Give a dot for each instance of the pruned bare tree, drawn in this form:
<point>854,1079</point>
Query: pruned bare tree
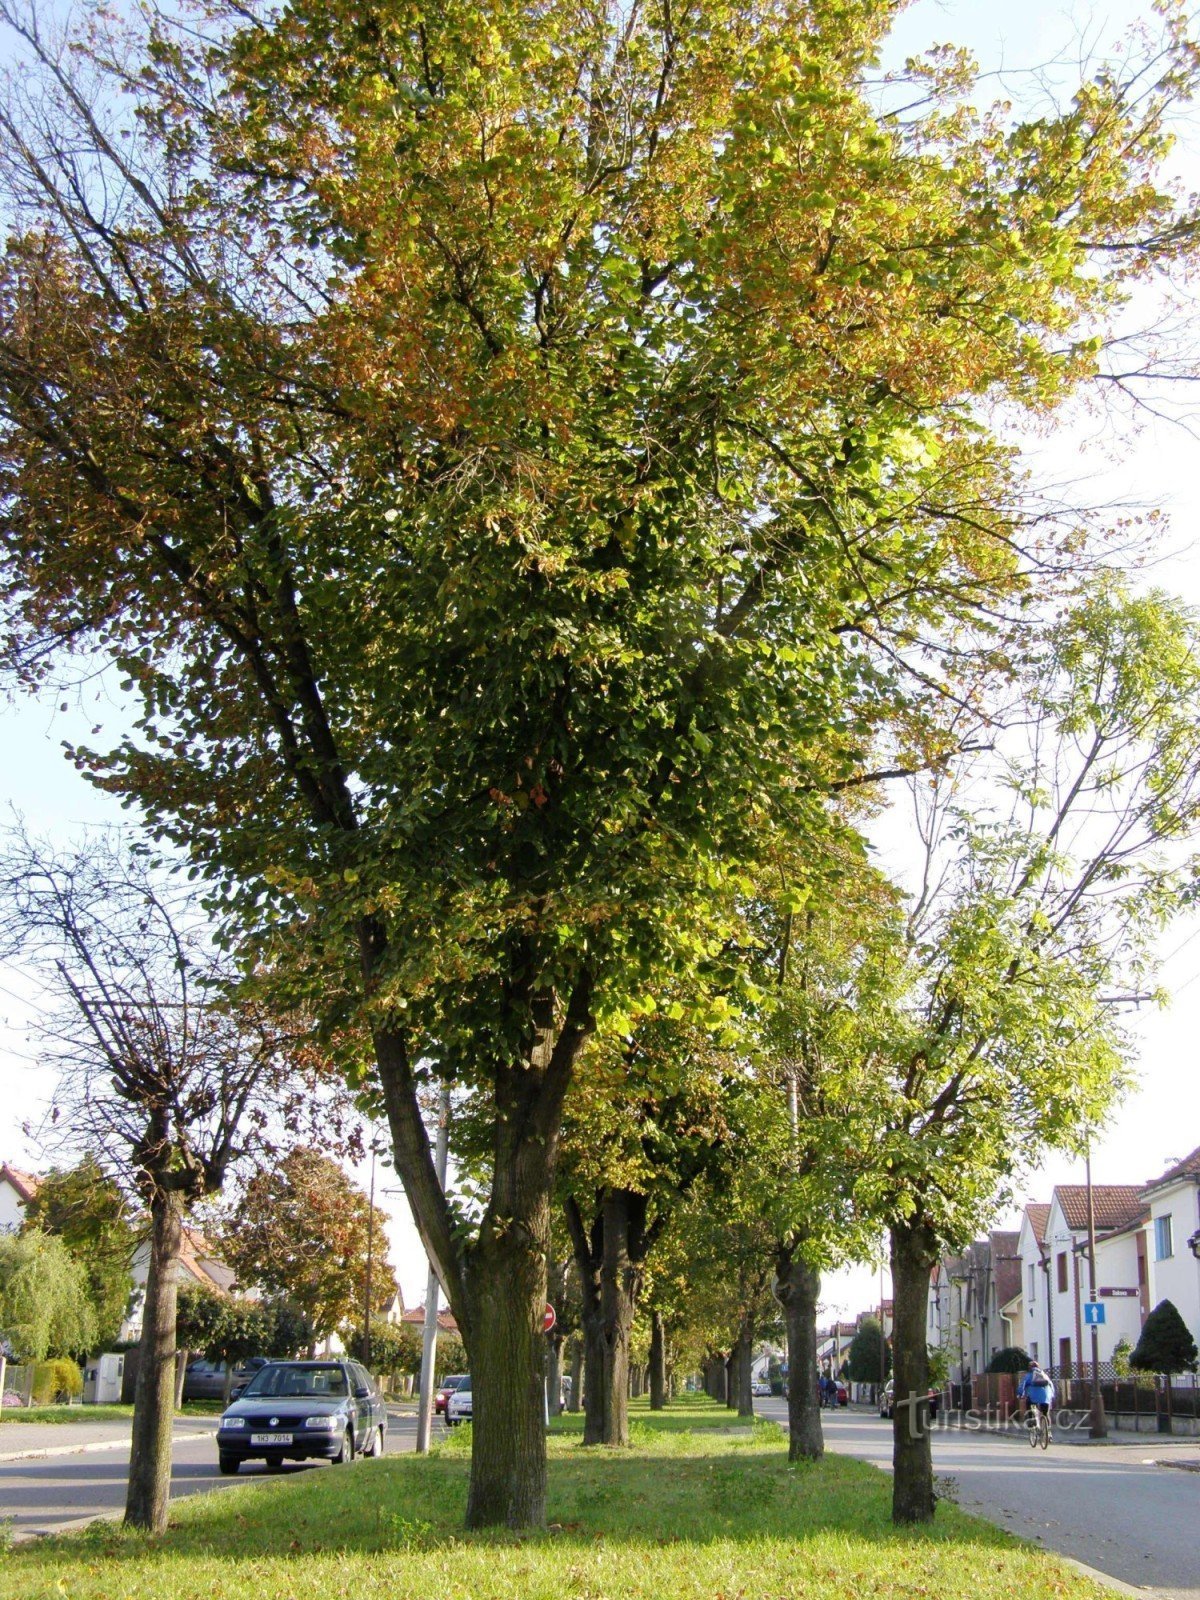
<point>164,1068</point>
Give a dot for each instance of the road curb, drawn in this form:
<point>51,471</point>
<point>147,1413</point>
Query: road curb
<point>92,1448</point>
<point>1105,1579</point>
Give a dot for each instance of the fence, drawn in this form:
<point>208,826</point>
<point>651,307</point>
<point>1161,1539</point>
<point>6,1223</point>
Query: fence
<point>1129,1401</point>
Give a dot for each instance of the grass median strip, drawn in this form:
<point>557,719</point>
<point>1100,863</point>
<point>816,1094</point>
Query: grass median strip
<point>696,1509</point>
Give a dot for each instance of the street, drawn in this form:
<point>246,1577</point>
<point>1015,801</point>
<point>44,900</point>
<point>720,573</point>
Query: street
<point>44,1495</point>
<point>1110,1506</point>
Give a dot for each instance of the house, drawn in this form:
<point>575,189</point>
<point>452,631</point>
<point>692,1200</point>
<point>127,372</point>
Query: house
<point>1173,1240</point>
<point>17,1189</point>
<point>445,1319</point>
<point>1052,1245</point>
<point>198,1264</point>
<point>969,1297</point>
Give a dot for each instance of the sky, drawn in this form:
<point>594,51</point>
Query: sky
<point>1154,464</point>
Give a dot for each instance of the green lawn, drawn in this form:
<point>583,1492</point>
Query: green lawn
<point>699,1513</point>
<point>193,1408</point>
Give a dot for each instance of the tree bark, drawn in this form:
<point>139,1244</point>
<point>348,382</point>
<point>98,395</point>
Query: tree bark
<point>553,1376</point>
<point>505,1293</point>
<point>914,1253</point>
<point>148,1494</point>
<point>181,1361</point>
<point>576,1374</point>
<point>798,1287</point>
<point>731,1398</point>
<point>658,1362</point>
<point>610,1260</point>
<point>744,1365</point>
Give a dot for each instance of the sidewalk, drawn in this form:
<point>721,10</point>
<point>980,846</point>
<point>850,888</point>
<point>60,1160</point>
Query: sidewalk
<point>25,1441</point>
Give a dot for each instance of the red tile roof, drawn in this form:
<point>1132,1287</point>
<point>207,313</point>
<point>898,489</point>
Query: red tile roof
<point>1038,1213</point>
<point>24,1183</point>
<point>1114,1205</point>
<point>446,1322</point>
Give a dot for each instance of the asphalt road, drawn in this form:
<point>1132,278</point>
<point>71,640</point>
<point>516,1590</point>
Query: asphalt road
<point>1111,1506</point>
<point>49,1494</point>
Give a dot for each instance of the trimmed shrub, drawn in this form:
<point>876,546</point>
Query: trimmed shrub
<point>55,1382</point>
<point>1011,1359</point>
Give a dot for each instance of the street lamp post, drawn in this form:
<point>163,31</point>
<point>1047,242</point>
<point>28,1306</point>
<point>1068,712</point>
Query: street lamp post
<point>429,1341</point>
<point>1097,1425</point>
<point>960,1284</point>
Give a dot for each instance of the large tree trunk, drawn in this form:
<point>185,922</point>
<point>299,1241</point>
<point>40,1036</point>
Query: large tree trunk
<point>658,1362</point>
<point>798,1286</point>
<point>914,1254</point>
<point>731,1386</point>
<point>149,1489</point>
<point>506,1298</point>
<point>497,1286</point>
<point>744,1363</point>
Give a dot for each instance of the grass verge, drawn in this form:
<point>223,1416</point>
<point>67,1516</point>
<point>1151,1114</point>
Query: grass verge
<point>688,1513</point>
<point>19,1414</point>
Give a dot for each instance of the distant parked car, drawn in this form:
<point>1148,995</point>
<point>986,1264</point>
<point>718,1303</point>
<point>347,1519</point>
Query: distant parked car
<point>760,1388</point>
<point>301,1411</point>
<point>887,1401</point>
<point>204,1380</point>
<point>458,1407</point>
<point>449,1385</point>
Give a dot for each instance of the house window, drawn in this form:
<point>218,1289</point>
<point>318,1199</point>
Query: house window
<point>1164,1244</point>
<point>1032,1284</point>
<point>1061,1267</point>
<point>1033,1349</point>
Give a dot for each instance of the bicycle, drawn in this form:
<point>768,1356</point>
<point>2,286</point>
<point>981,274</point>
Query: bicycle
<point>1038,1423</point>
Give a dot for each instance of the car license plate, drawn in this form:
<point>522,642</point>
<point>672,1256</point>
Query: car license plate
<point>270,1438</point>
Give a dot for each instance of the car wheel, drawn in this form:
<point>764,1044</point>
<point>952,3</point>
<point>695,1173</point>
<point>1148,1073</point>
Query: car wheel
<point>228,1464</point>
<point>376,1449</point>
<point>346,1453</point>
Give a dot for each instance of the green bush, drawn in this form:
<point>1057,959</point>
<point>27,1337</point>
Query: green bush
<point>55,1382</point>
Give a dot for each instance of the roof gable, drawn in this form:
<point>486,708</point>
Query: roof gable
<point>1114,1205</point>
<point>25,1183</point>
<point>1182,1172</point>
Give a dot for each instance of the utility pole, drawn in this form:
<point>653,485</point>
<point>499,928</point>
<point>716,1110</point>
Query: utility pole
<point>1097,1424</point>
<point>432,1288</point>
<point>366,1342</point>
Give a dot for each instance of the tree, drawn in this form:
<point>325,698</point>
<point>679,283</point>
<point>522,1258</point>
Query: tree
<point>160,1073</point>
<point>45,1308</point>
<point>1046,877</point>
<point>1165,1345</point>
<point>650,1118</point>
<point>87,1210</point>
<point>1011,1359</point>
<point>514,457</point>
<point>300,1231</point>
<point>869,1359</point>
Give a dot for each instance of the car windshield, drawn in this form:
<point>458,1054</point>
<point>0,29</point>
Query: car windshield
<point>311,1382</point>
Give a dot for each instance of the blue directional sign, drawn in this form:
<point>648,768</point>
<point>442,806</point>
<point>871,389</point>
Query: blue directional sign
<point>1093,1313</point>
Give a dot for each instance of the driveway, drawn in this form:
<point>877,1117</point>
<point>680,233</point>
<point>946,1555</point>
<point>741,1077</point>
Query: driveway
<point>50,1493</point>
<point>1111,1506</point>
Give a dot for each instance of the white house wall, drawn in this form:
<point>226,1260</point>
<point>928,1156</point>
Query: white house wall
<point>1178,1278</point>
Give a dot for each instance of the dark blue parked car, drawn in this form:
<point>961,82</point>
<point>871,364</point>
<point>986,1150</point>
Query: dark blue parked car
<point>302,1411</point>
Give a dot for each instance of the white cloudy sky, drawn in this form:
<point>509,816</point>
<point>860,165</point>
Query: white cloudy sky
<point>1154,466</point>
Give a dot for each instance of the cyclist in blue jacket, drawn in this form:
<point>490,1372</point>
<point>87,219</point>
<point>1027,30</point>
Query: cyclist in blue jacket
<point>1036,1388</point>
